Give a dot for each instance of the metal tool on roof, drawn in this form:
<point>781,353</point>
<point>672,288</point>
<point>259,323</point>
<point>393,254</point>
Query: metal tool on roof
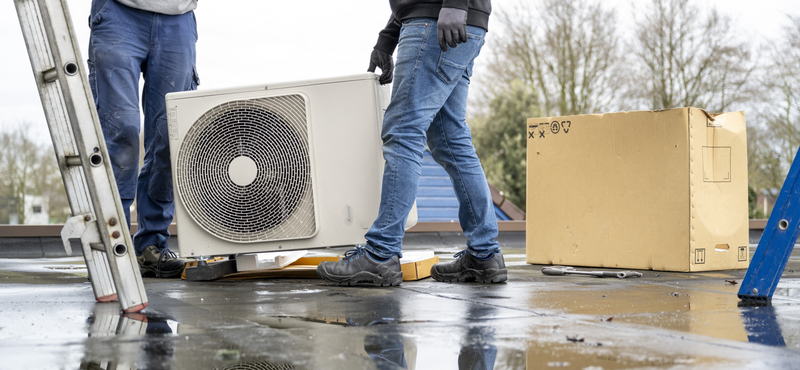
<point>564,270</point>
<point>98,219</point>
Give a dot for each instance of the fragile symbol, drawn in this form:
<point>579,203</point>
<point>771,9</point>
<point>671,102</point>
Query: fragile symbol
<point>554,127</point>
<point>541,133</point>
<point>530,135</point>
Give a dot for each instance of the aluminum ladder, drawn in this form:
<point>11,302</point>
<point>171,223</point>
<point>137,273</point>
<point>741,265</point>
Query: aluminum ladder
<point>776,244</point>
<point>98,220</point>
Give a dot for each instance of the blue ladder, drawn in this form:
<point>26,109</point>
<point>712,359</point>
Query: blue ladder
<point>776,242</point>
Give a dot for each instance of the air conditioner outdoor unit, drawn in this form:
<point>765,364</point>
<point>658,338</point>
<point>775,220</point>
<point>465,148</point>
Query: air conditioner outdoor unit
<point>278,167</point>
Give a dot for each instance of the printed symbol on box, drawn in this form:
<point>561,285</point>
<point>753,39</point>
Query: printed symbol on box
<point>530,135</point>
<point>743,253</point>
<point>554,127</point>
<point>541,133</point>
<point>717,164</point>
<point>699,256</point>
<point>566,125</point>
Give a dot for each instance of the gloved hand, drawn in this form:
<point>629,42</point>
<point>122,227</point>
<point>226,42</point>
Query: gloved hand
<point>452,28</point>
<point>383,60</point>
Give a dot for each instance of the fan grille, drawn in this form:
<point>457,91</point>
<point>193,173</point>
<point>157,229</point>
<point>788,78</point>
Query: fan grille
<point>276,201</point>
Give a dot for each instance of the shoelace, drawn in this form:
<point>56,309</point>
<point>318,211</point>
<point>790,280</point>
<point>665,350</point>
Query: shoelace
<point>460,254</point>
<point>165,255</point>
<point>357,251</point>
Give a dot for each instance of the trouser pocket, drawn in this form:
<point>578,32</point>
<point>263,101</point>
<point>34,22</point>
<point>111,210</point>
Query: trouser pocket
<point>455,61</point>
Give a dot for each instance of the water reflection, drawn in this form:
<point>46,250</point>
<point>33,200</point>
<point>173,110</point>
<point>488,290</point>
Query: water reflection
<point>389,349</point>
<point>123,331</point>
<point>761,323</point>
<point>388,352</point>
<point>478,351</point>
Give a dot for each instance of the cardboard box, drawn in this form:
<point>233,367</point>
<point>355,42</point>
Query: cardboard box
<point>662,190</point>
<point>417,265</point>
<point>267,261</point>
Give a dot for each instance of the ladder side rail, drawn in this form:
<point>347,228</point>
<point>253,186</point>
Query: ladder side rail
<point>54,109</point>
<point>64,145</point>
<point>777,241</point>
<point>88,134</point>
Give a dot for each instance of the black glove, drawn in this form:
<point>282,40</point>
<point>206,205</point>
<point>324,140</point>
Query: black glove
<point>452,27</point>
<point>383,60</point>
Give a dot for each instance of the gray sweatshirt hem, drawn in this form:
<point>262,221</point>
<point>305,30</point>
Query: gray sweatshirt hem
<point>171,7</point>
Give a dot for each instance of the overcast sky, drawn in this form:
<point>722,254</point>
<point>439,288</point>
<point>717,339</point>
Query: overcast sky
<point>266,41</point>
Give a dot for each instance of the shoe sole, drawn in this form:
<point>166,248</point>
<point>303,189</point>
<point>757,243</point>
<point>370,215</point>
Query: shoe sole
<point>362,278</point>
<point>472,276</point>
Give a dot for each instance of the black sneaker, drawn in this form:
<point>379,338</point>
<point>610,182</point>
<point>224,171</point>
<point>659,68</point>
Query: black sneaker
<point>352,270</point>
<point>468,268</point>
<point>160,263</point>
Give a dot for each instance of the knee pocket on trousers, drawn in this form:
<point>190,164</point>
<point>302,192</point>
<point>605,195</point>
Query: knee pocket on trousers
<point>161,188</point>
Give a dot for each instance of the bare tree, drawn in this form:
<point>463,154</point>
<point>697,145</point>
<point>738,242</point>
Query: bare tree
<point>783,83</point>
<point>567,51</point>
<point>690,59</point>
<point>774,138</point>
<point>28,168</point>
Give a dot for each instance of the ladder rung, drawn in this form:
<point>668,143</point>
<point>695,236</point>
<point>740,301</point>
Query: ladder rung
<point>73,160</point>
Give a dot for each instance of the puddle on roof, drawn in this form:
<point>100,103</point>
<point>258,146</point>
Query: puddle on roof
<point>698,310</point>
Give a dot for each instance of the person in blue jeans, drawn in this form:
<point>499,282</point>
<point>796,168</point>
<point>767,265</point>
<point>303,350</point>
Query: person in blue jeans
<point>155,39</point>
<point>437,43</point>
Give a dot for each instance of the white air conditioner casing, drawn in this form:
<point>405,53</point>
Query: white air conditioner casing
<point>283,166</point>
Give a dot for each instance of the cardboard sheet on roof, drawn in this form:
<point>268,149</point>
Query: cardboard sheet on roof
<point>416,265</point>
<point>663,190</point>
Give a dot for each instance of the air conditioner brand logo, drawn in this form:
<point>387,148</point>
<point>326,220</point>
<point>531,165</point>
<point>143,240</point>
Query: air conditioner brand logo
<point>172,123</point>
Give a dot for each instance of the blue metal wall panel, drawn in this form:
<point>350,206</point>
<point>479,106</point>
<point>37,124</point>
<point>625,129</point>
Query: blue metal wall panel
<point>436,200</point>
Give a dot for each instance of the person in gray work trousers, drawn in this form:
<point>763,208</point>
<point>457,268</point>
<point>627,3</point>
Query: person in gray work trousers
<point>155,39</point>
<point>437,43</point>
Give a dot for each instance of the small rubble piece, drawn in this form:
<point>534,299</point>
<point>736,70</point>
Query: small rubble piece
<point>558,364</point>
<point>609,319</point>
<point>732,282</point>
<point>574,339</point>
<point>657,275</point>
<point>675,294</point>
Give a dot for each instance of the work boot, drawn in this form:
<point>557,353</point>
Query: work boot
<point>160,263</point>
<point>354,270</point>
<point>468,268</point>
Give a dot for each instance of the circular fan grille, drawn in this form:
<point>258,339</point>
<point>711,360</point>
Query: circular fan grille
<point>273,201</point>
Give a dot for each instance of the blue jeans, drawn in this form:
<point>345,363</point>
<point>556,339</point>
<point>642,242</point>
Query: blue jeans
<point>429,103</point>
<point>124,43</point>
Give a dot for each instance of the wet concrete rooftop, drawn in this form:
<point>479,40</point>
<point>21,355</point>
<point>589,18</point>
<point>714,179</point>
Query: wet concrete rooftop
<point>660,321</point>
